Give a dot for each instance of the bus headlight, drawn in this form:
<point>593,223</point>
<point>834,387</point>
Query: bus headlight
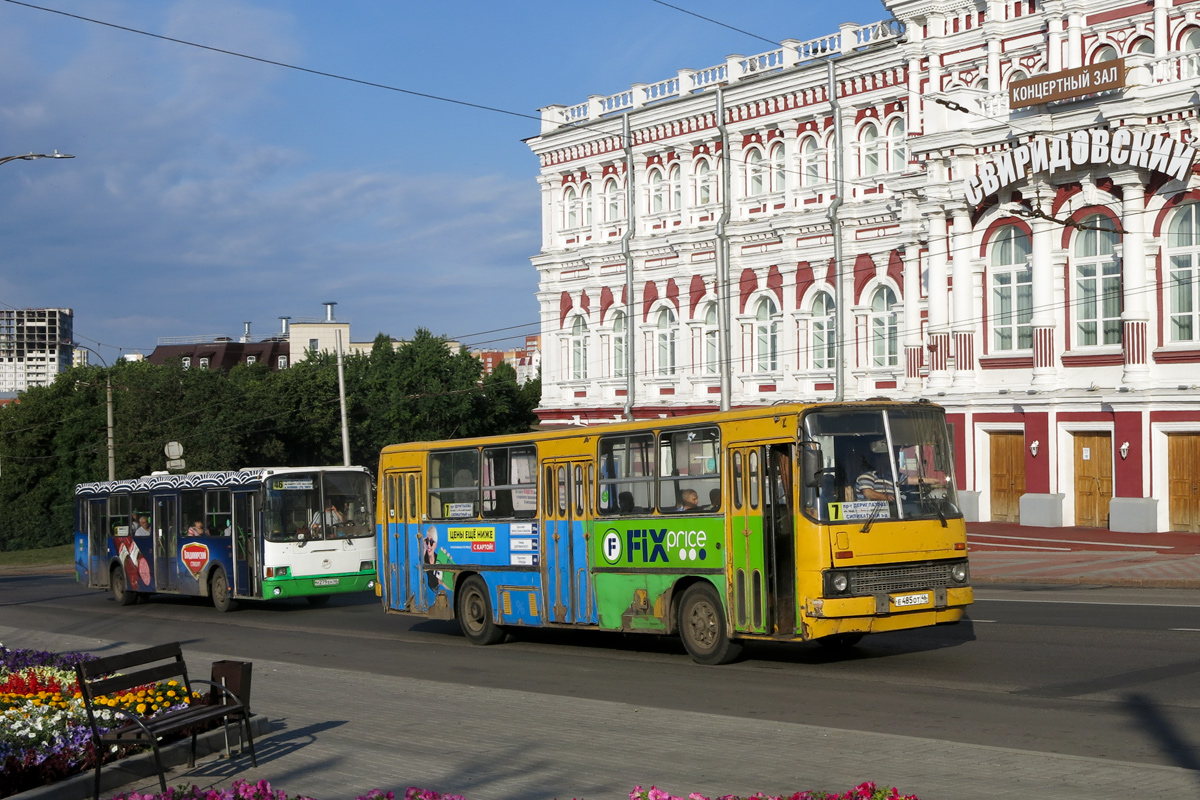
<point>366,566</point>
<point>836,583</point>
<point>958,573</point>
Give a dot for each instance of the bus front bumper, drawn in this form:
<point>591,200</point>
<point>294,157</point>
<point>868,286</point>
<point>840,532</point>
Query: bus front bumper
<point>884,612</point>
<point>307,585</point>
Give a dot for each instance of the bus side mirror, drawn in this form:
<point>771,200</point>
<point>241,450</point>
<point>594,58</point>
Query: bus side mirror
<point>811,463</point>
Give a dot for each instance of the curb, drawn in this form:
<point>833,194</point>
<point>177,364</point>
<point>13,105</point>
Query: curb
<point>1086,580</point>
<point>141,766</point>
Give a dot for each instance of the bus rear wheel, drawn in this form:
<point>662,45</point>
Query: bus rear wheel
<point>120,588</point>
<point>473,610</point>
<point>218,590</point>
<point>702,626</point>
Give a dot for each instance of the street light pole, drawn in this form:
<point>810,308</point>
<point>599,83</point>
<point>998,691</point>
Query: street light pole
<point>112,470</point>
<point>32,156</point>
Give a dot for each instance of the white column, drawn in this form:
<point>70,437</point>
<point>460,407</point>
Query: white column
<point>1134,316</point>
<point>910,253</point>
<point>964,310</point>
<point>1054,37</point>
<point>1044,316</point>
<point>939,298</point>
<point>1161,28</point>
<point>1075,20</point>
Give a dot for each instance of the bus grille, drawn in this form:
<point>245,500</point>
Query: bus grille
<point>903,578</point>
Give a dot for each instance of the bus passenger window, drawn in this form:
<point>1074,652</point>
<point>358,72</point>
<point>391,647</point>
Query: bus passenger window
<point>626,474</point>
<point>689,479</point>
<point>508,482</point>
<point>454,484</point>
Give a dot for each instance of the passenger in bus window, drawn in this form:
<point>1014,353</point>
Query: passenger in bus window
<point>197,529</point>
<point>871,485</point>
<point>714,500</point>
<point>331,516</point>
<point>688,500</point>
<point>143,528</point>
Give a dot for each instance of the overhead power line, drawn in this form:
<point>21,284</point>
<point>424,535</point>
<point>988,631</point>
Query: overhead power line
<point>272,62</point>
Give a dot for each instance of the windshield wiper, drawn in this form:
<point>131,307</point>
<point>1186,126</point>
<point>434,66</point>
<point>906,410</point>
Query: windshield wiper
<point>866,528</point>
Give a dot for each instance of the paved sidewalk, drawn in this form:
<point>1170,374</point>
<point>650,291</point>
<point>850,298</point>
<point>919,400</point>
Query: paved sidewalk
<point>1004,553</point>
<point>339,733</point>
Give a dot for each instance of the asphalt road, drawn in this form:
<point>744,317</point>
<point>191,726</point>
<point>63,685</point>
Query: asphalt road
<point>1106,673</point>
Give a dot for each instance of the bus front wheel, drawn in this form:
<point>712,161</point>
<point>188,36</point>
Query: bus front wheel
<point>120,588</point>
<point>473,610</point>
<point>218,590</point>
<point>702,626</point>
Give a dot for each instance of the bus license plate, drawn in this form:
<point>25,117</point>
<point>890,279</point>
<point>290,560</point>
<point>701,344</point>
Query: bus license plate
<point>326,581</point>
<point>911,599</point>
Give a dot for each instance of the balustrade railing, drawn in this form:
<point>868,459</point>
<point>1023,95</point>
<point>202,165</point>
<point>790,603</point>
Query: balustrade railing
<point>791,53</point>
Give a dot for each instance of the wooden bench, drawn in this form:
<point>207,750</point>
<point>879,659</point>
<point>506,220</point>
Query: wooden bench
<point>99,678</point>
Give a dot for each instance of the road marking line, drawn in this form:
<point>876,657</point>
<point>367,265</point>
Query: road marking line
<point>1193,630</point>
<point>1066,541</point>
<point>1082,603</point>
<point>1023,546</point>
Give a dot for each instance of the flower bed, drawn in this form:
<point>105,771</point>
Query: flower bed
<point>44,733</point>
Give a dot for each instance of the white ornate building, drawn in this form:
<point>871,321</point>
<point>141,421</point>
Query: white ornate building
<point>1032,266</point>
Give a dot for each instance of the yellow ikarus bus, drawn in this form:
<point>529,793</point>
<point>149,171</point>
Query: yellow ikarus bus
<point>796,522</point>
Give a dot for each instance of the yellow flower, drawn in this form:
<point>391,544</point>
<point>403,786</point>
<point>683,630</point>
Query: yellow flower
<point>141,708</point>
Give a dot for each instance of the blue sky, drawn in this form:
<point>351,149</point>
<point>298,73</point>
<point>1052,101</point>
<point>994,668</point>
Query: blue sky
<point>207,190</point>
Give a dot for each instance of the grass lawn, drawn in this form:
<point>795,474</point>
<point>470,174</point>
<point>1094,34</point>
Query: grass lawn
<point>63,554</point>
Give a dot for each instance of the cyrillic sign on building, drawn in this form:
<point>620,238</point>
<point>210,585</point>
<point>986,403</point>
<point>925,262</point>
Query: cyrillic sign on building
<point>1095,147</point>
<point>1067,84</point>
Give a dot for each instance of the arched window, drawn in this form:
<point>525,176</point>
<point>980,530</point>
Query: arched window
<point>898,145</point>
<point>1017,75</point>
<point>1012,290</point>
<point>1183,255</point>
<point>812,162</point>
<point>586,203</point>
<point>571,208</point>
<point>778,169</point>
<point>579,349</point>
<point>1105,53</point>
<point>613,211</point>
<point>766,336</point>
<point>870,149</point>
<point>705,183</point>
<point>823,332</point>
<point>1097,283</point>
<point>619,339</point>
<point>711,333</point>
<point>1191,50</point>
<point>658,195</point>
<point>664,335</point>
<point>1143,45</point>
<point>754,173</point>
<point>675,190</point>
<point>885,329</point>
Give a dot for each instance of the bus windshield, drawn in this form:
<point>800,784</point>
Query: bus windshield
<point>877,464</point>
<point>303,506</point>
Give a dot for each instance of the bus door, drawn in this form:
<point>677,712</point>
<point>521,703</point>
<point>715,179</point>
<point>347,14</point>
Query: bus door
<point>166,511</point>
<point>409,547</point>
<point>748,540</point>
<point>566,574</point>
<point>97,542</point>
<point>247,549</point>
<point>401,539</point>
<point>779,531</point>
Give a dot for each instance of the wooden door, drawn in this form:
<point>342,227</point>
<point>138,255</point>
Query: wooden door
<point>1093,479</point>
<point>1183,479</point>
<point>1007,454</point>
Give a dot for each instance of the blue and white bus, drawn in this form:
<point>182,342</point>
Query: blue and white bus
<point>258,533</point>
